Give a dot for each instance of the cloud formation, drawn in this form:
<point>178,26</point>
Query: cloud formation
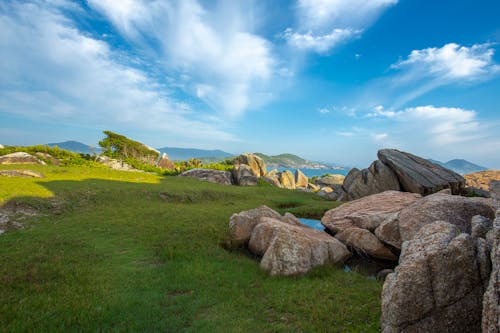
<point>324,24</point>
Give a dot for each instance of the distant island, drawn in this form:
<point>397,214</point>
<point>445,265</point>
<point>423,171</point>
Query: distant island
<point>294,162</point>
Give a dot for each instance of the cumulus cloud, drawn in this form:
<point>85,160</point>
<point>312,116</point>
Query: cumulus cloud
<point>52,70</point>
<point>324,24</point>
<point>223,62</point>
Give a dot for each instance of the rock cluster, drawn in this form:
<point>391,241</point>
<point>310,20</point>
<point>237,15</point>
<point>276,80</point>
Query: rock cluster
<point>491,299</point>
<point>20,158</point>
<point>285,245</point>
<point>114,163</point>
<point>209,175</point>
<point>400,171</point>
<point>482,180</point>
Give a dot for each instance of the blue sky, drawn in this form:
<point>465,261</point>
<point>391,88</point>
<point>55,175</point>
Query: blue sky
<point>330,80</point>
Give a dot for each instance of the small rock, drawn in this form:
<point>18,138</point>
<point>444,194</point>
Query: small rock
<point>209,175</point>
<point>20,158</point>
<point>21,173</point>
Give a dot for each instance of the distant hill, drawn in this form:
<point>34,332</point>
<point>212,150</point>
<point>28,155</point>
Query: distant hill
<point>76,147</point>
<point>460,166</point>
<point>290,161</point>
<point>181,154</point>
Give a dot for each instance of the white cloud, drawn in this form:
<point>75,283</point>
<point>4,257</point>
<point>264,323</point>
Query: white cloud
<point>52,70</point>
<point>324,111</point>
<point>452,62</point>
<point>324,24</point>
<point>229,67</point>
<point>380,136</point>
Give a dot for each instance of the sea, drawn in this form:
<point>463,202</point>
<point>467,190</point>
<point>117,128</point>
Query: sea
<point>318,172</point>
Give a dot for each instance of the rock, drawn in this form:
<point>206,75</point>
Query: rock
<point>242,224</point>
<point>482,180</point>
<point>381,275</point>
<point>491,299</point>
<point>441,207</point>
<point>165,163</point>
<point>49,158</point>
<point>209,175</point>
<point>469,191</point>
<point>287,180</point>
<point>418,175</point>
<point>244,175</point>
<point>255,163</point>
<point>313,187</point>
<point>301,180</point>
<point>21,173</point>
<point>368,212</point>
<point>480,226</point>
<point>438,285</point>
<point>291,250</point>
<point>272,177</point>
<point>365,243</point>
<point>330,180</point>
<point>495,192</point>
<point>20,158</point>
<point>327,189</point>
<point>388,231</point>
<point>114,163</point>
<point>377,178</point>
<point>328,195</point>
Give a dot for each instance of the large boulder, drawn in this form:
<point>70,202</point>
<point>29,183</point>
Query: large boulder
<point>495,192</point>
<point>21,173</point>
<point>301,180</point>
<point>165,162</point>
<point>491,298</point>
<point>330,180</point>
<point>244,175</point>
<point>365,243</point>
<point>291,250</point>
<point>418,175</point>
<point>287,180</point>
<point>209,175</point>
<point>20,158</point>
<point>114,163</point>
<point>456,210</point>
<point>439,283</point>
<point>255,163</point>
<point>368,212</point>
<point>377,178</point>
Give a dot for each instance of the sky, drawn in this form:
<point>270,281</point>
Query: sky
<point>329,80</point>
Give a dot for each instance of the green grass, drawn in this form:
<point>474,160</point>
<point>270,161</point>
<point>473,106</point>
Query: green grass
<point>115,256</point>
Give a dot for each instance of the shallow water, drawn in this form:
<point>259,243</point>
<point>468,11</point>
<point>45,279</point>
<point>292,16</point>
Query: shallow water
<point>316,224</point>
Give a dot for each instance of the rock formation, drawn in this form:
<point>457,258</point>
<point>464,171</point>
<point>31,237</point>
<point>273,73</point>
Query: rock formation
<point>482,179</point>
<point>330,180</point>
<point>439,283</point>
<point>491,299</point>
<point>20,158</point>
<point>244,175</point>
<point>21,173</point>
<point>114,163</point>
<point>165,163</point>
<point>255,163</point>
<point>209,175</point>
<point>300,179</point>
<point>287,180</point>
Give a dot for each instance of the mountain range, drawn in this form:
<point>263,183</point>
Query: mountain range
<point>460,166</point>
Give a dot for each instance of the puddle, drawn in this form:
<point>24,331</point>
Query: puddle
<point>316,224</point>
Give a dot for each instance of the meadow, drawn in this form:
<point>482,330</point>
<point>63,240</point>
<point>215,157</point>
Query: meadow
<point>116,251</point>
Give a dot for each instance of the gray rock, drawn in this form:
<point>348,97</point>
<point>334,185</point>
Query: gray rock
<point>438,285</point>
<point>209,175</point>
<point>418,175</point>
<point>495,192</point>
<point>114,163</point>
<point>244,176</point>
<point>365,243</point>
<point>20,158</point>
<point>491,299</point>
<point>21,173</point>
<point>480,226</point>
<point>382,275</point>
<point>442,207</point>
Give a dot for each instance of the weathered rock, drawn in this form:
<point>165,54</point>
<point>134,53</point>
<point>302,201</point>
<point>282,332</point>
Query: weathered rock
<point>327,189</point>
<point>287,180</point>
<point>21,173</point>
<point>377,178</point>
<point>482,179</point>
<point>272,177</point>
<point>388,231</point>
<point>313,187</point>
<point>438,285</point>
<point>165,162</point>
<point>242,224</point>
<point>330,180</point>
<point>381,275</point>
<point>20,158</point>
<point>469,191</point>
<point>114,163</point>
<point>491,299</point>
<point>244,175</point>
<point>480,226</point>
<point>255,163</point>
<point>441,207</point>
<point>495,192</point>
<point>365,243</point>
<point>49,158</point>
<point>418,175</point>
<point>301,180</point>
<point>209,175</point>
<point>368,212</point>
<point>290,250</point>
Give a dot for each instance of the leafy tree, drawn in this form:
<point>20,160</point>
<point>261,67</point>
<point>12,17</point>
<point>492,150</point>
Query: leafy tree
<point>119,146</point>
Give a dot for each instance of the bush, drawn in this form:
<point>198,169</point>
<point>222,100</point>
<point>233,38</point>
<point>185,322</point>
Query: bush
<point>66,157</point>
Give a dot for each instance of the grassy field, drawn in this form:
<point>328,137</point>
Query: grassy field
<point>108,254</point>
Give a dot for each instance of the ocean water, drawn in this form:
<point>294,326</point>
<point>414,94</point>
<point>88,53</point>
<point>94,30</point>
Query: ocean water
<point>318,172</point>
<point>316,224</point>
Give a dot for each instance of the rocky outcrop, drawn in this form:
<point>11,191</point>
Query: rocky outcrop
<point>365,243</point>
<point>301,180</point>
<point>418,175</point>
<point>114,163</point>
<point>439,283</point>
<point>165,162</point>
<point>482,179</point>
<point>254,162</point>
<point>241,224</point>
<point>272,177</point>
<point>330,180</point>
<point>244,175</point>
<point>287,180</point>
<point>209,175</point>
<point>377,178</point>
<point>456,210</point>
<point>20,158</point>
<point>291,250</point>
<point>491,298</point>
<point>495,192</point>
<point>21,173</point>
